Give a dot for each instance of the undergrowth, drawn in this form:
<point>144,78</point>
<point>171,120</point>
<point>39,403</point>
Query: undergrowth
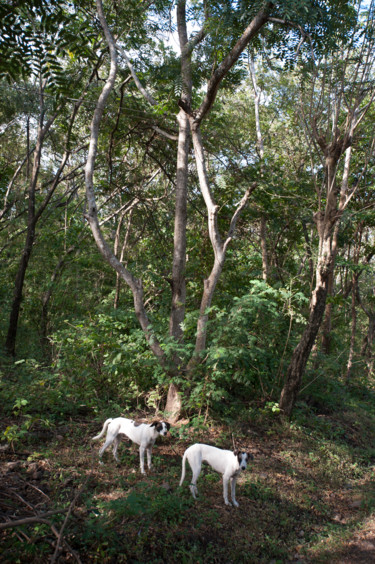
<point>309,487</point>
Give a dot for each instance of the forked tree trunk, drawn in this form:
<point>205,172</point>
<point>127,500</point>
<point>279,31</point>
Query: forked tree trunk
<point>185,119</point>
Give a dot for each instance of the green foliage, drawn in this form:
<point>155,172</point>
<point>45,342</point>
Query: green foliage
<point>35,36</point>
<point>107,356</point>
<point>239,359</point>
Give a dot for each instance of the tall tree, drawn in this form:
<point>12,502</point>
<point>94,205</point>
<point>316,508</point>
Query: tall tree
<point>191,116</point>
<point>342,90</point>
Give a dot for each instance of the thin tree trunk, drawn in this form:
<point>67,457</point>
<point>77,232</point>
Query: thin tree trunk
<point>263,245</point>
<point>123,248</point>
<point>92,213</point>
<point>48,294</point>
<point>327,222</point>
<point>370,355</point>
<point>367,350</point>
<point>10,343</point>
<point>260,146</point>
<point>302,351</point>
<point>353,330</point>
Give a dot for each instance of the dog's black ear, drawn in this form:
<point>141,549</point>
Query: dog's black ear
<point>168,425</point>
<point>154,423</point>
<point>250,456</point>
<point>236,452</point>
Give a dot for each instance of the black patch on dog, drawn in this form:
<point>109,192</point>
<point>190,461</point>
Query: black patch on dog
<point>158,426</point>
<point>137,423</point>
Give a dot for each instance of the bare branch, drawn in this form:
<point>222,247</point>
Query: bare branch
<point>138,83</point>
<point>41,518</point>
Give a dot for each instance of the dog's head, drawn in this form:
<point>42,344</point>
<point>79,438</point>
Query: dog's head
<point>243,458</point>
<point>162,427</point>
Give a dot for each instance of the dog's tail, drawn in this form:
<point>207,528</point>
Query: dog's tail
<point>102,431</point>
<point>183,468</point>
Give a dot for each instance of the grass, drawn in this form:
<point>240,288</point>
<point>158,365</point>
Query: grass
<point>309,488</point>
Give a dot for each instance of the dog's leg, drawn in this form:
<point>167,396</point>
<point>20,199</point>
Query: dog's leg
<point>107,443</point>
<point>233,482</point>
<point>111,436</point>
<point>149,454</point>
<point>183,469</point>
<point>115,447</point>
<point>142,458</point>
<point>196,469</point>
<point>225,489</point>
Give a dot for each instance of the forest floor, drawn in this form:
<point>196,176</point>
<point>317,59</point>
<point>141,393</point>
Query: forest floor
<point>307,496</point>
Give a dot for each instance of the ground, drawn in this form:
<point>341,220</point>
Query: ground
<point>301,500</point>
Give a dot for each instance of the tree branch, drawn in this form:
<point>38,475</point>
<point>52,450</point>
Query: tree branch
<point>213,85</point>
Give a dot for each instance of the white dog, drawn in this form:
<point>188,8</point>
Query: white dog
<point>142,434</point>
<point>226,462</point>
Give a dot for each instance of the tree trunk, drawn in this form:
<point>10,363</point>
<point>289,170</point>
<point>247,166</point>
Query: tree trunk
<point>327,223</point>
<point>302,351</point>
<point>370,345</point>
<point>179,248</point>
<point>367,350</point>
<point>353,331</point>
<point>179,242</point>
<point>10,343</point>
<point>178,283</point>
<point>122,253</point>
<point>92,212</point>
<point>263,245</point>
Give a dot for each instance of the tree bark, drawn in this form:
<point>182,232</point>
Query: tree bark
<point>302,351</point>
<point>179,242</point>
